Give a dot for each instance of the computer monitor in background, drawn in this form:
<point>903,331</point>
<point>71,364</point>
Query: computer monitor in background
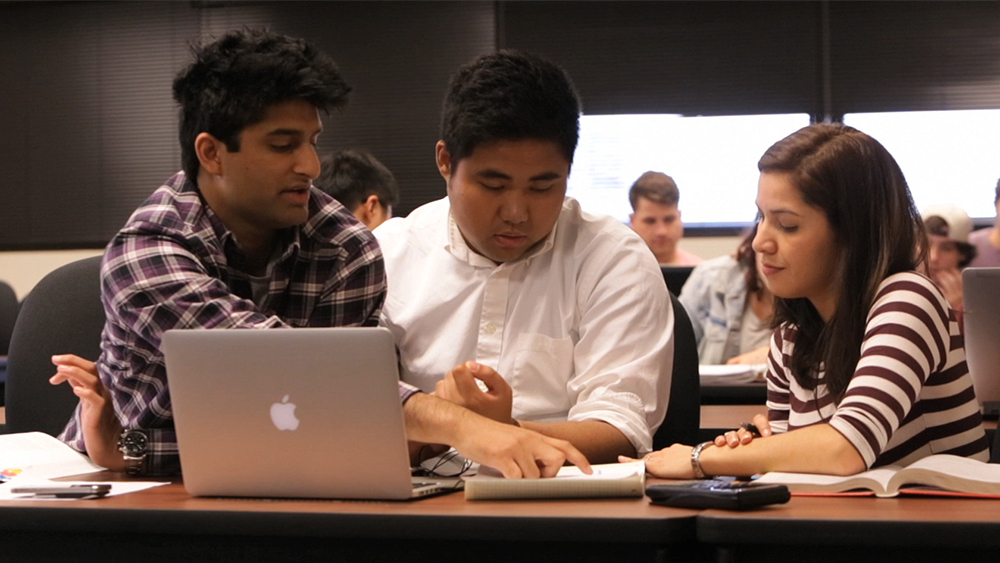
<point>981,293</point>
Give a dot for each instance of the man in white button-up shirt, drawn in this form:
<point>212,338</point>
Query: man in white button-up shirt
<point>505,297</point>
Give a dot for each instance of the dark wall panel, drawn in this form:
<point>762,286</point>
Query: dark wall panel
<point>711,58</point>
<point>89,126</point>
<point>15,188</point>
<point>141,51</point>
<point>915,56</point>
<point>56,145</point>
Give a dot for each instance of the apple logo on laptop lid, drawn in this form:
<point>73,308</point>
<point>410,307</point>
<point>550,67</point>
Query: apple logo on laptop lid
<point>283,415</point>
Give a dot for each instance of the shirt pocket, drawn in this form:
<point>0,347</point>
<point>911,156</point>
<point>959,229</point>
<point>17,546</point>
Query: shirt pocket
<point>543,367</point>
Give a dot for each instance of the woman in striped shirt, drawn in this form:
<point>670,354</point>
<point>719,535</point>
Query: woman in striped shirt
<point>867,365</point>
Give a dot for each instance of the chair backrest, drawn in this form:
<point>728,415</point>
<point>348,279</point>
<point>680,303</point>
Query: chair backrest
<point>61,315</point>
<point>675,277</point>
<point>8,313</point>
<point>684,408</point>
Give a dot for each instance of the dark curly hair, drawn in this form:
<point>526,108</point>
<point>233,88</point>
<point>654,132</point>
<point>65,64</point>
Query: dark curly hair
<point>234,79</point>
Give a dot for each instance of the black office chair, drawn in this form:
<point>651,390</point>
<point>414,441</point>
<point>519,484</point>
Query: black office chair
<point>8,313</point>
<point>675,277</point>
<point>684,408</point>
<point>61,315</point>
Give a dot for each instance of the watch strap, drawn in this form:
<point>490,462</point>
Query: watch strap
<point>135,461</point>
<point>699,473</point>
<point>135,465</point>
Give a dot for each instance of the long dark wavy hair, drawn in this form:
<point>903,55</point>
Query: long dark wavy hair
<point>854,180</point>
<point>747,259</point>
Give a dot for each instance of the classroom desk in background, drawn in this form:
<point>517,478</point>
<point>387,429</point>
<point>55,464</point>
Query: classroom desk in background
<point>744,394</point>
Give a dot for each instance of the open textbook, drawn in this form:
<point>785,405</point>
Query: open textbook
<point>607,480</point>
<point>936,475</point>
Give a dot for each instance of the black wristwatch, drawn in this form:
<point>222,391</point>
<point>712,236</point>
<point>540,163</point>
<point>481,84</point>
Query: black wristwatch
<point>132,444</point>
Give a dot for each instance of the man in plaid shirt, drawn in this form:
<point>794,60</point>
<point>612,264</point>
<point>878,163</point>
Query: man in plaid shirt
<point>240,238</point>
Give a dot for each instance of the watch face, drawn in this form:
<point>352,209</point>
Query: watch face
<point>134,443</point>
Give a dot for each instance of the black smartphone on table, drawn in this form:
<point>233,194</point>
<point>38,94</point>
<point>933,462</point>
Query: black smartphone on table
<point>70,491</point>
<point>717,493</point>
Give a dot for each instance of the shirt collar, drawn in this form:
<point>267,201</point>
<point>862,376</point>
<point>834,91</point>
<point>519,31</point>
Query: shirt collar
<point>456,245</point>
<point>288,240</point>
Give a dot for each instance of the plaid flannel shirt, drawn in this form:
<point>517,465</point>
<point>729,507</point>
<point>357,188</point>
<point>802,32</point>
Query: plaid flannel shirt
<point>175,265</point>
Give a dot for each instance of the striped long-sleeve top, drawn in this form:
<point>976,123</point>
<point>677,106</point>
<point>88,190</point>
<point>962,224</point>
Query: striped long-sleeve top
<point>911,395</point>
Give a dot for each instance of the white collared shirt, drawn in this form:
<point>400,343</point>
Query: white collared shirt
<point>580,327</point>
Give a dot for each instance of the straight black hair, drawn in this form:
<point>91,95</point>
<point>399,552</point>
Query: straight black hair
<point>509,95</point>
<point>351,176</point>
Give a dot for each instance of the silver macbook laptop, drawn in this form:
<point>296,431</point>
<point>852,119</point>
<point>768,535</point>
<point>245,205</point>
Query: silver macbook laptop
<point>303,413</point>
<point>981,293</point>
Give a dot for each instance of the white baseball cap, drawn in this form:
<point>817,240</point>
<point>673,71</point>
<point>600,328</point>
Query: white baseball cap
<point>959,224</point>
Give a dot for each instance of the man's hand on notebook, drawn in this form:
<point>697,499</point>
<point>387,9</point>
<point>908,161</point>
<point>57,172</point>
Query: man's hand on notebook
<point>514,451</point>
<point>517,452</point>
<point>478,388</point>
<point>100,427</point>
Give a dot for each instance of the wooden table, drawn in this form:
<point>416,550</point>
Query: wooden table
<point>842,530</point>
<point>167,524</point>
